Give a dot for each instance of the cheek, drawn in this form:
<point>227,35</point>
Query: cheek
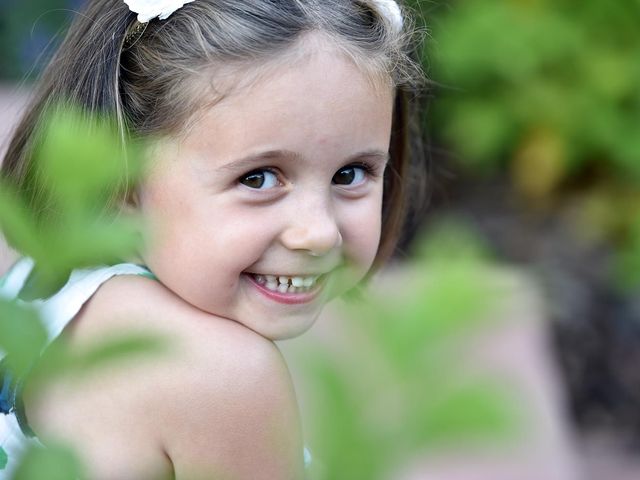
<point>208,235</point>
<point>362,234</point>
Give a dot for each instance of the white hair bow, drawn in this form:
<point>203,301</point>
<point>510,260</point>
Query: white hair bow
<point>391,10</point>
<point>162,9</point>
<point>150,9</point>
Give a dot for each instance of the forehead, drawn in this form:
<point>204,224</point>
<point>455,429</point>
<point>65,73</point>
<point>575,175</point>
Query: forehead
<point>321,105</point>
<point>220,83</point>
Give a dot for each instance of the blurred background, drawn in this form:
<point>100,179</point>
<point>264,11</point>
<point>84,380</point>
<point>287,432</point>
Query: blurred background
<point>535,143</point>
<point>533,139</point>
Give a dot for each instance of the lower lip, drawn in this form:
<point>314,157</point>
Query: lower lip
<point>287,298</point>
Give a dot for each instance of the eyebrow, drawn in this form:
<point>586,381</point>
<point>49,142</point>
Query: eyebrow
<point>252,160</point>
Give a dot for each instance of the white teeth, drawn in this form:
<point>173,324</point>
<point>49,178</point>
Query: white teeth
<point>282,284</point>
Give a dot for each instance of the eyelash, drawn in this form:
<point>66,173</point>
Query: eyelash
<point>273,171</point>
<point>370,171</point>
<point>368,168</point>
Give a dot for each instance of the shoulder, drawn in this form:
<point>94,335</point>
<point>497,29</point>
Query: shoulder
<point>195,338</point>
<point>134,304</point>
<point>220,398</point>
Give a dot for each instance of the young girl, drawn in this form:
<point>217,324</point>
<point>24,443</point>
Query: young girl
<point>277,180</point>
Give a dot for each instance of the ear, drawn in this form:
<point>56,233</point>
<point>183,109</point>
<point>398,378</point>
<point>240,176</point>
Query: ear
<point>130,207</point>
<point>130,203</point>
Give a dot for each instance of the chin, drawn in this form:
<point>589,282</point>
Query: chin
<point>287,328</point>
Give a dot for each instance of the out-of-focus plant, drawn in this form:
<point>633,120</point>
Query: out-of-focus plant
<point>81,163</point>
<point>546,92</point>
<point>81,167</point>
<point>628,264</point>
<point>56,462</point>
<point>558,75</point>
<point>400,388</point>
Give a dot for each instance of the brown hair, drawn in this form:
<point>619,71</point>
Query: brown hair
<point>108,65</point>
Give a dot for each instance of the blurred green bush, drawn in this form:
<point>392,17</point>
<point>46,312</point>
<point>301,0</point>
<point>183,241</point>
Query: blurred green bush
<point>77,232</point>
<point>401,388</point>
<point>545,93</point>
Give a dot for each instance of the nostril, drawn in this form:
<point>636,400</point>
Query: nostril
<point>316,238</point>
<point>323,248</point>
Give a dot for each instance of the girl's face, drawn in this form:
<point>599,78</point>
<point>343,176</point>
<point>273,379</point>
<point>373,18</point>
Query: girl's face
<point>270,205</point>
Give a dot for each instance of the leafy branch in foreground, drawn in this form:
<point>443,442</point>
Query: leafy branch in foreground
<point>66,213</point>
<point>65,216</point>
<point>400,387</point>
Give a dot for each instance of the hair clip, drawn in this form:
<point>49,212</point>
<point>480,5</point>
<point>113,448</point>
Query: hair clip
<point>149,9</point>
<point>391,10</point>
<point>134,35</point>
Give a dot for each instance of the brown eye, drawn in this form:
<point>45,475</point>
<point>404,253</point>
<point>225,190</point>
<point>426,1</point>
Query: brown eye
<point>351,175</point>
<point>260,179</point>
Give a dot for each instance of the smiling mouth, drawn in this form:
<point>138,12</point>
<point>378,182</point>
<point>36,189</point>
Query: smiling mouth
<point>287,285</point>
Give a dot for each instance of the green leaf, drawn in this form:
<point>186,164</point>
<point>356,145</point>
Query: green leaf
<point>400,386</point>
<point>83,160</point>
<point>86,242</point>
<point>53,463</point>
<point>122,350</point>
<point>22,336</point>
<point>476,412</point>
<point>17,223</point>
<point>4,458</point>
<point>70,202</point>
<point>627,261</point>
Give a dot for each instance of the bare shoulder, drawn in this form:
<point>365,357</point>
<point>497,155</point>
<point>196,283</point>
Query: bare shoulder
<point>218,402</point>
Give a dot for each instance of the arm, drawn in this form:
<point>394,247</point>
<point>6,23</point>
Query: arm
<point>220,404</point>
<point>235,415</point>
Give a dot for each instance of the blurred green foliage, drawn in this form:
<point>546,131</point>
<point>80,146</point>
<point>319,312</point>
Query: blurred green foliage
<point>401,387</point>
<point>68,215</point>
<point>525,70</point>
<point>76,232</point>
<point>544,93</point>
<point>22,336</point>
<point>56,462</point>
<point>628,260</point>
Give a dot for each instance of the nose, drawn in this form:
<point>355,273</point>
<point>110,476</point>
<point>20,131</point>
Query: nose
<point>313,228</point>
